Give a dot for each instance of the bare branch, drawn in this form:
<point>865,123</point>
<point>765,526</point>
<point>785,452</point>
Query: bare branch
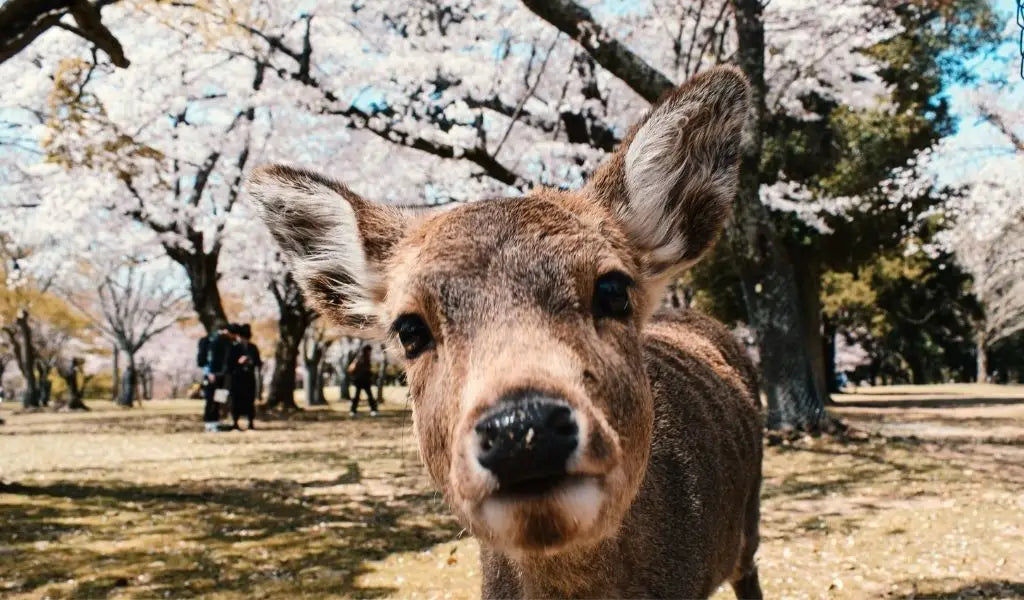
<point>577,22</point>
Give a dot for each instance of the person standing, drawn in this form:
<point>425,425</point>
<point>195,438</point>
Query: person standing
<point>244,364</point>
<point>215,374</point>
<point>360,371</point>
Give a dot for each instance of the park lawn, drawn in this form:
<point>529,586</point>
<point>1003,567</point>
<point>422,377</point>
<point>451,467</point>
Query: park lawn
<point>140,503</point>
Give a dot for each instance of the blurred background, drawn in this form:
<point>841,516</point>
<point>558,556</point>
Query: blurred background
<point>877,240</point>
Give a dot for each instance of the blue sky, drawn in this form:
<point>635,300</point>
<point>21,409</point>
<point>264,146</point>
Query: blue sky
<point>976,140</point>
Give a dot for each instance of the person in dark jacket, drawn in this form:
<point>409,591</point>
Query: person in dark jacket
<point>215,374</point>
<point>244,365</point>
<point>360,371</point>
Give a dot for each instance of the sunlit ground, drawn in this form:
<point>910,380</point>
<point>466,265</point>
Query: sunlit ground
<point>140,503</point>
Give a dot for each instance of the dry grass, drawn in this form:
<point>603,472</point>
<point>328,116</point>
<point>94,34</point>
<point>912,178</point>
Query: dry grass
<point>140,503</point>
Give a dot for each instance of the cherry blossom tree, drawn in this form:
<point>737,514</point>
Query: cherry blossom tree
<point>423,103</point>
<point>987,239</point>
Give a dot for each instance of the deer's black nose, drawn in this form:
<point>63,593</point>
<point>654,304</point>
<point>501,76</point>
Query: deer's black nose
<point>527,440</point>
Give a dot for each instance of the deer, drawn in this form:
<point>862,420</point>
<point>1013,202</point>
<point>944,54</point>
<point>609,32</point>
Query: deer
<point>595,444</point>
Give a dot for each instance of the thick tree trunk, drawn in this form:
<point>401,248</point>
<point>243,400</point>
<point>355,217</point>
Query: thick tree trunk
<point>808,280</point>
<point>769,284</point>
<point>201,270</point>
<point>982,358</point>
<point>43,379</point>
<point>25,357</point>
<point>128,384</point>
<point>293,319</point>
<point>313,384</point>
<point>281,393</point>
<point>69,371</point>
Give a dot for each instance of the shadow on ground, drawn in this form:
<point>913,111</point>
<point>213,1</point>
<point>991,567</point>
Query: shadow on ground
<point>201,537</point>
<point>952,590</point>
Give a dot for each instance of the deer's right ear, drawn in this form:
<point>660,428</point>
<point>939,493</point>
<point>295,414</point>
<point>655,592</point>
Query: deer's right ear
<point>338,242</point>
<point>672,181</point>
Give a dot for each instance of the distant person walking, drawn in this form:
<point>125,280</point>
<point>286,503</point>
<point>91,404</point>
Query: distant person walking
<point>360,372</point>
<point>244,364</point>
<point>213,358</point>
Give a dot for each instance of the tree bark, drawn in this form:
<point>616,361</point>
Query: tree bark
<point>313,384</point>
<point>25,357</point>
<point>768,280</point>
<point>45,387</point>
<point>115,379</point>
<point>346,379</point>
<point>201,269</point>
<point>828,343</point>
<point>382,374</point>
<point>130,380</point>
<point>982,357</point>
<point>293,319</point>
<point>69,372</point>
<point>22,21</point>
<point>808,280</point>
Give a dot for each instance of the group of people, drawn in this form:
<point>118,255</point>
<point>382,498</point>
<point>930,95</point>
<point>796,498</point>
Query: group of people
<point>231,368</point>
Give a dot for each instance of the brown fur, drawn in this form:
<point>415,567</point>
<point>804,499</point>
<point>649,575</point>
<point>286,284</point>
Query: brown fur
<point>661,498</point>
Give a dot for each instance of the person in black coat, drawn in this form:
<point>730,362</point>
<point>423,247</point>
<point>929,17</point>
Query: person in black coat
<point>215,373</point>
<point>360,370</point>
<point>244,364</point>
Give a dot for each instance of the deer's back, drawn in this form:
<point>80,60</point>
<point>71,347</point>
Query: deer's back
<point>684,534</point>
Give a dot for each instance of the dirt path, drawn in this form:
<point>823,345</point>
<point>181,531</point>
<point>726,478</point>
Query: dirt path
<point>139,503</point>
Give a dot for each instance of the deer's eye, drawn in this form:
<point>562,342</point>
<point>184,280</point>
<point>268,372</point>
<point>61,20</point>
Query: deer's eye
<point>611,295</point>
<point>413,333</point>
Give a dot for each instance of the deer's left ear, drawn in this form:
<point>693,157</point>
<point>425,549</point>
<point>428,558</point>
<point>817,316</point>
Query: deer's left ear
<point>338,242</point>
<point>672,181</point>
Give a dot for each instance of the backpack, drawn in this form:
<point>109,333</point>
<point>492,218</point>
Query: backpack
<point>203,352</point>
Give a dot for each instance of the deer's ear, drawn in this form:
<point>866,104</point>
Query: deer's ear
<point>672,181</point>
<point>338,242</point>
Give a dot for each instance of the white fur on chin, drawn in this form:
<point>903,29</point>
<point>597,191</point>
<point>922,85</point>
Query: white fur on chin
<point>578,501</point>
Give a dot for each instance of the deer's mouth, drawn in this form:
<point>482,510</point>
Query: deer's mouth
<point>538,488</point>
<point>545,514</point>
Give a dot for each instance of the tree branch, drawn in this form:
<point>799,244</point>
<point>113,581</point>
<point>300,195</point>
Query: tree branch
<point>1000,123</point>
<point>577,22</point>
<point>22,21</point>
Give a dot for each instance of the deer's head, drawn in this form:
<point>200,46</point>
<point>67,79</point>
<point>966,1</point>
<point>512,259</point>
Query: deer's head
<point>521,318</point>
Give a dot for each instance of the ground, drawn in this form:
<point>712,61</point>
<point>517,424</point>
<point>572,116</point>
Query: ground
<point>139,503</point>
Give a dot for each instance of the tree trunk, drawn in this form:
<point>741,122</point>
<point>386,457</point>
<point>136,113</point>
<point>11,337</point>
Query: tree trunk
<point>201,270</point>
<point>318,382</point>
<point>828,342</point>
<point>115,379</point>
<point>128,384</point>
<point>293,319</point>
<point>69,373</point>
<point>45,386</point>
<point>147,382</point>
<point>382,375</point>
<point>346,379</point>
<point>979,348</point>
<point>313,385</point>
<point>808,281</point>
<point>281,393</point>
<point>769,284</point>
<point>25,357</point>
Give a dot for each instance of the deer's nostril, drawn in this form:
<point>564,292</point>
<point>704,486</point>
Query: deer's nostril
<point>527,439</point>
<point>562,423</point>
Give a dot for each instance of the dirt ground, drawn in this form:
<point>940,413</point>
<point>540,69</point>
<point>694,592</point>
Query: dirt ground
<point>140,503</point>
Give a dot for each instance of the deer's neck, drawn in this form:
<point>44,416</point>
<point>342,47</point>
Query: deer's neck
<point>593,572</point>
